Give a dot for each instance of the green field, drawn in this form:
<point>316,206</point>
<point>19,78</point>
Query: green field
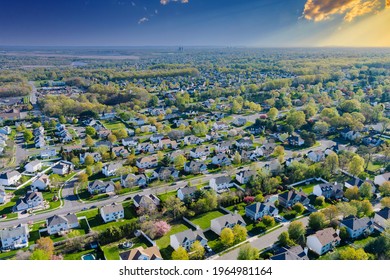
<point>204,220</point>
<point>113,125</point>
<point>164,241</point>
<point>112,251</point>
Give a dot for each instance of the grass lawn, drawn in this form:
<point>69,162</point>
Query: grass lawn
<point>165,196</point>
<point>213,241</point>
<point>112,251</point>
<point>113,125</point>
<point>374,166</point>
<point>86,196</point>
<point>163,242</point>
<point>307,189</point>
<point>240,208</point>
<point>204,220</point>
<point>8,255</point>
<point>48,196</point>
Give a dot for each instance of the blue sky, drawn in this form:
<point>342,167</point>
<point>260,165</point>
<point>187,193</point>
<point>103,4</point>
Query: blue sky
<point>166,22</point>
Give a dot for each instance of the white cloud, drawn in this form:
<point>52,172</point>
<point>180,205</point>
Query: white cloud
<point>143,20</point>
<point>165,2</point>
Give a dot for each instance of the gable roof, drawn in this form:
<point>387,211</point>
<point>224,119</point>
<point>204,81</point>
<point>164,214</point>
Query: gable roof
<point>327,236</point>
<point>189,235</point>
<point>151,252</point>
<point>222,180</point>
<point>112,208</point>
<point>13,232</point>
<point>290,253</point>
<point>354,223</point>
<point>227,219</point>
<point>384,213</point>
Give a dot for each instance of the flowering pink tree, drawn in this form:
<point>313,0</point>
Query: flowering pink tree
<point>249,199</point>
<point>161,228</point>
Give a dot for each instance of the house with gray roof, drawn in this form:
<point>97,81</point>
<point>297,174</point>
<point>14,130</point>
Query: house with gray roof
<point>226,221</point>
<point>294,253</point>
<point>382,218</point>
<point>195,167</point>
<point>146,201</point>
<point>14,238</point>
<point>186,192</point>
<point>111,168</point>
<point>357,227</point>
<point>31,200</point>
<point>220,183</point>
<point>244,176</point>
<point>112,212</point>
<point>59,223</point>
<point>99,186</point>
<point>3,195</point>
<point>258,210</point>
<point>329,191</point>
<point>288,199</point>
<point>9,178</point>
<point>186,238</point>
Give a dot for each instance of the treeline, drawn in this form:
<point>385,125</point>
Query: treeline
<point>14,89</point>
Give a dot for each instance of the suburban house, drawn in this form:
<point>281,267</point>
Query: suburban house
<point>226,221</point>
<point>186,192</point>
<point>239,121</point>
<point>295,253</point>
<point>200,152</point>
<point>156,137</point>
<point>220,183</point>
<point>258,210</point>
<point>3,195</point>
<point>167,143</point>
<point>192,140</point>
<point>380,179</point>
<point>41,183</point>
<point>358,183</point>
<point>147,162</point>
<point>111,169</point>
<point>146,201</point>
<point>329,191</point>
<point>195,167</point>
<point>99,186</point>
<point>220,125</point>
<point>120,151</point>
<point>132,180</point>
<point>350,134</point>
<point>288,199</point>
<point>244,143</point>
<point>33,166</point>
<point>224,146</point>
<point>295,140</point>
<point>9,178</point>
<point>221,160</point>
<point>139,253</point>
<point>166,173</point>
<point>58,223</point>
<point>323,241</point>
<point>63,167</point>
<point>145,148</point>
<point>357,227</point>
<point>186,238</point>
<point>6,130</point>
<point>112,212</point>
<point>244,176</point>
<point>14,238</point>
<point>48,153</point>
<point>96,157</point>
<point>382,218</point>
<point>30,201</point>
<point>129,142</point>
<point>316,156</point>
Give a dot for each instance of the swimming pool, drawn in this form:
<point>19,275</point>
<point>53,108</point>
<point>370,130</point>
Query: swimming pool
<point>88,257</point>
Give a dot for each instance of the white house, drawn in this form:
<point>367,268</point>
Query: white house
<point>48,153</point>
<point>63,167</point>
<point>41,183</point>
<point>380,179</point>
<point>220,125</point>
<point>220,183</point>
<point>111,169</point>
<point>167,143</point>
<point>112,212</point>
<point>258,210</point>
<point>226,221</point>
<point>147,162</point>
<point>101,187</point>
<point>357,227</point>
<point>156,137</point>
<point>195,167</point>
<point>316,156</point>
<point>146,201</point>
<point>382,218</point>
<point>58,223</point>
<point>131,180</point>
<point>30,201</point>
<point>96,157</point>
<point>186,192</point>
<point>244,176</point>
<point>129,142</point>
<point>186,238</point>
<point>33,166</point>
<point>6,130</point>
<point>244,143</point>
<point>200,152</point>
<point>221,160</point>
<point>3,195</point>
<point>323,241</point>
<point>224,146</point>
<point>9,178</point>
<point>14,238</point>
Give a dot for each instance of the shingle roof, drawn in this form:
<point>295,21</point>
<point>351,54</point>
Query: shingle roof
<point>355,223</point>
<point>327,236</point>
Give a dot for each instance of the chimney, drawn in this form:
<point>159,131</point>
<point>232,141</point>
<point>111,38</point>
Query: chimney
<point>306,250</point>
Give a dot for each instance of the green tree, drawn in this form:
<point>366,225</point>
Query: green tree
<point>112,138</point>
<point>284,239</point>
<point>237,158</point>
<point>98,167</point>
<point>240,233</point>
<point>296,231</point>
<point>39,255</point>
<point>89,141</point>
<point>89,160</point>
<point>299,208</point>
<point>180,254</point>
<point>89,130</point>
<point>268,221</point>
<point>296,118</point>
<point>350,253</point>
<point>175,207</point>
<point>89,171</point>
<point>247,252</point>
<point>320,200</point>
<point>346,209</point>
<point>332,163</point>
<point>317,221</point>
<point>365,190</point>
<point>356,166</point>
<point>120,133</point>
<point>385,189</point>
<point>343,233</point>
<point>75,161</point>
<point>352,193</point>
<point>28,135</point>
<point>385,202</point>
<point>331,212</point>
<point>179,161</point>
<point>227,237</point>
<point>62,119</point>
<point>197,251</point>
<point>273,113</point>
<point>278,151</point>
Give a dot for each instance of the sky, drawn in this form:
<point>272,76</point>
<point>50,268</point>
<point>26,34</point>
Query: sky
<point>252,23</point>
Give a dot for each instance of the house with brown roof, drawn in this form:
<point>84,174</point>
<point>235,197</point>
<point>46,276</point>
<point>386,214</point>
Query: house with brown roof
<point>323,240</point>
<point>139,253</point>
